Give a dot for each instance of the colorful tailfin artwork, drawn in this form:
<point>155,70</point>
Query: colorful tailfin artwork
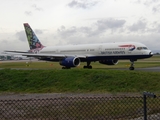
<point>34,43</point>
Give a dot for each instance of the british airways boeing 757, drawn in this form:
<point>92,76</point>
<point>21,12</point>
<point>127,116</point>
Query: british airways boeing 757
<point>72,55</point>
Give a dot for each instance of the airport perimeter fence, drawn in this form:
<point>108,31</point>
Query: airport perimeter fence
<point>82,108</point>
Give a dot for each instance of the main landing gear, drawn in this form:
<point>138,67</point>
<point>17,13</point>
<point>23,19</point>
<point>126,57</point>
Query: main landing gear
<point>132,65</point>
<point>88,65</point>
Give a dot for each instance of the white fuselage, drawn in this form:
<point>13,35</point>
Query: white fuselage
<point>101,50</point>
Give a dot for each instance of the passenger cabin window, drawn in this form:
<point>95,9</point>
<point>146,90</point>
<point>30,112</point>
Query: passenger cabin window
<point>142,48</point>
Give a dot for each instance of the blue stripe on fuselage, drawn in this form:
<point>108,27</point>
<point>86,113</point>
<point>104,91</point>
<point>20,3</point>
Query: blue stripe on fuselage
<point>97,58</point>
<point>134,57</point>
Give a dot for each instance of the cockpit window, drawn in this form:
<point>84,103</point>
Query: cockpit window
<point>139,48</point>
<point>145,48</point>
<point>142,48</point>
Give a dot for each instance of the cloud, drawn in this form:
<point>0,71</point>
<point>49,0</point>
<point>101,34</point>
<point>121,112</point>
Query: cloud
<point>96,29</point>
<point>158,28</point>
<point>4,41</point>
<point>82,4</point>
<point>38,31</point>
<point>75,32</point>
<point>136,1</point>
<point>63,32</point>
<point>86,30</point>
<point>28,13</point>
<point>150,2</point>
<point>21,36</point>
<point>110,23</point>
<point>156,8</point>
<point>37,8</point>
<point>137,26</point>
<point>103,30</point>
<point>34,6</point>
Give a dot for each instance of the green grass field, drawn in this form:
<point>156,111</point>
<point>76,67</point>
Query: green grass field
<point>78,81</point>
<point>100,79</point>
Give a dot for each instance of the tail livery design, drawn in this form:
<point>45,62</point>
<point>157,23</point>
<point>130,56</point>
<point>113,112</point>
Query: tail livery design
<point>34,43</point>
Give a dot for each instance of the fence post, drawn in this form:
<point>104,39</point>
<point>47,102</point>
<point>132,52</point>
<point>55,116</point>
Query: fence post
<point>145,94</point>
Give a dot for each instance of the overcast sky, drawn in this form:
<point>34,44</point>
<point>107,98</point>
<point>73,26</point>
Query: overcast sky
<point>61,22</point>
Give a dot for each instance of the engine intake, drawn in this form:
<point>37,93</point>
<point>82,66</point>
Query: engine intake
<point>109,62</point>
<point>70,62</point>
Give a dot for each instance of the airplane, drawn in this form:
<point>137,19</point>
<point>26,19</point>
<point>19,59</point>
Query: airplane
<point>72,55</point>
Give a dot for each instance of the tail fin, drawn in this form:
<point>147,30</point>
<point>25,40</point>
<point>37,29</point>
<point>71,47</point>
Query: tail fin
<point>34,43</point>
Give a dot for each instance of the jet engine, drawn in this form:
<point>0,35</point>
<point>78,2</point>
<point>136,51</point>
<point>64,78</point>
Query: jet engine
<point>70,62</point>
<point>109,62</point>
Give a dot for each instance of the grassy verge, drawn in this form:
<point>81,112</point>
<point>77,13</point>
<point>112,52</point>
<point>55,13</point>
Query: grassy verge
<point>78,80</point>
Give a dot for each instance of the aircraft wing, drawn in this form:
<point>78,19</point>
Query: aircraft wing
<point>52,55</point>
<point>28,54</point>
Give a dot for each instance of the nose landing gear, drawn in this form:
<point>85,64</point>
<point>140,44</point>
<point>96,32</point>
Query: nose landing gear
<point>132,65</point>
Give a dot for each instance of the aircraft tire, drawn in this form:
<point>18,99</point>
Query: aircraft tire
<point>131,68</point>
<point>84,67</point>
<point>89,67</point>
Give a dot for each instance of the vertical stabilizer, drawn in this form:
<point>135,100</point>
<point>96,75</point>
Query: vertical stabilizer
<point>34,43</point>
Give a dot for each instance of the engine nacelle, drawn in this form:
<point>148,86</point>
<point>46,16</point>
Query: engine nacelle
<point>109,62</point>
<point>70,62</point>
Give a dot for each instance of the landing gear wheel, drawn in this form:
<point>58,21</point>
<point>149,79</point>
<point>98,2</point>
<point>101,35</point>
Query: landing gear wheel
<point>84,67</point>
<point>89,67</point>
<point>131,68</point>
<point>65,67</point>
<point>132,65</point>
